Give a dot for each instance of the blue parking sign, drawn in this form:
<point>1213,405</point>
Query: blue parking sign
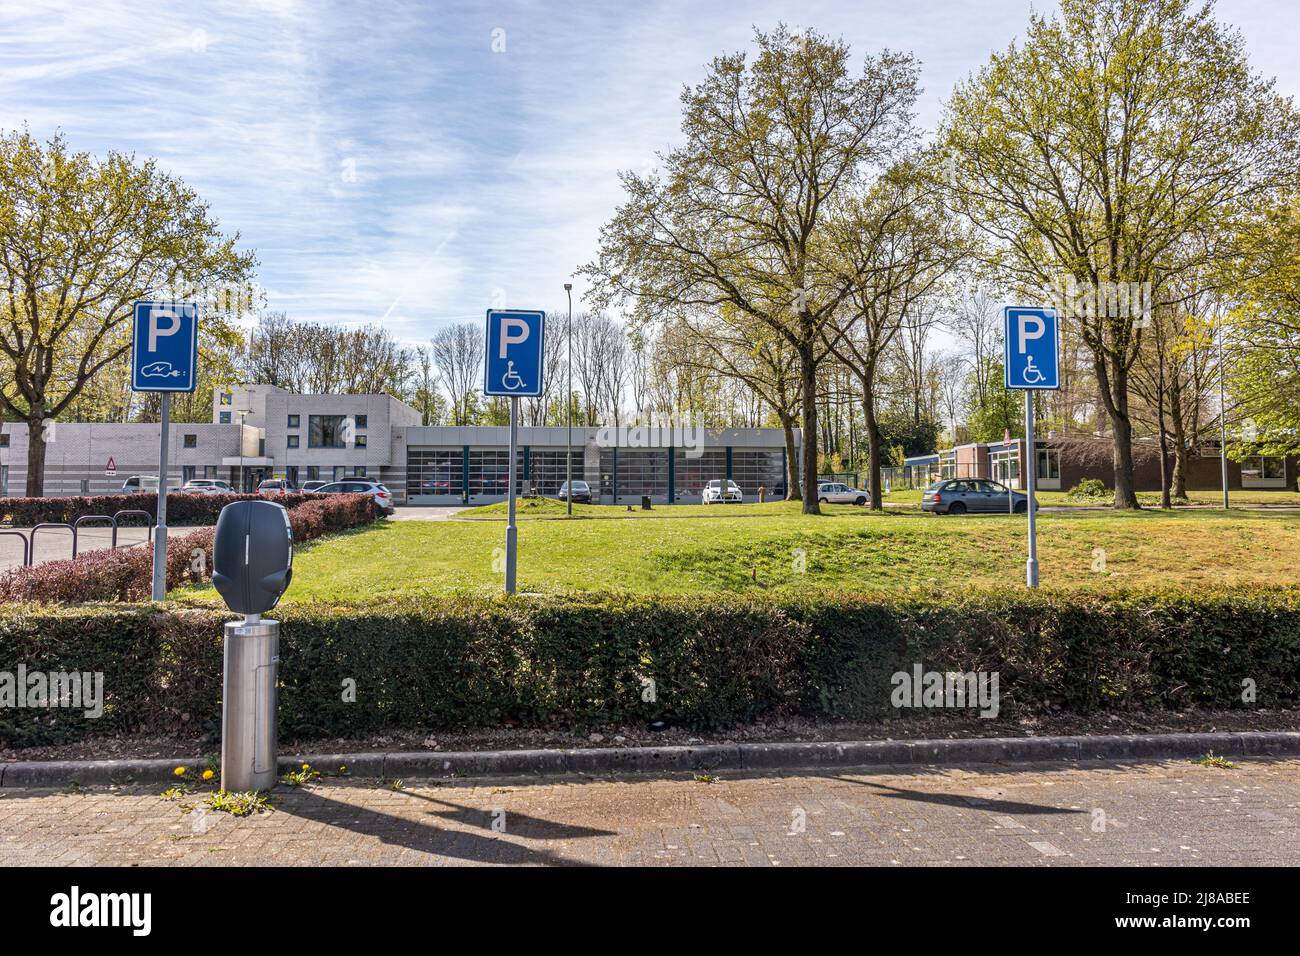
<point>1031,353</point>
<point>516,341</point>
<point>164,347</point>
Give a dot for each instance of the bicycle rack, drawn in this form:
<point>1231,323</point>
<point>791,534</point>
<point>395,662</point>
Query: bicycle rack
<point>117,518</point>
<point>76,528</point>
<point>27,548</point>
<point>53,524</point>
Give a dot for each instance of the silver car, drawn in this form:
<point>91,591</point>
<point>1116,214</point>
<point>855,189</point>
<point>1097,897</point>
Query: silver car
<point>959,496</point>
<point>835,493</point>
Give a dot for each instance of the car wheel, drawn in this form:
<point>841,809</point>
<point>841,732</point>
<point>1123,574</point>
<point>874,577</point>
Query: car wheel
<point>823,501</point>
<point>956,508</point>
<point>861,501</point>
<point>1022,507</point>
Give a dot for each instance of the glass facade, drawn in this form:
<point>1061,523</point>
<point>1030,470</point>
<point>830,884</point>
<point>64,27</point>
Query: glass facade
<point>546,470</point>
<point>690,475</point>
<point>489,472</point>
<point>325,431</point>
<point>753,467</point>
<point>434,471</point>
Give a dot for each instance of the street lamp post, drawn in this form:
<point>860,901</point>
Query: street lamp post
<point>568,408</point>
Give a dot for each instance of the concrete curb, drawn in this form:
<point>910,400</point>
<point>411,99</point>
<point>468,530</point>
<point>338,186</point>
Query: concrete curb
<point>745,756</point>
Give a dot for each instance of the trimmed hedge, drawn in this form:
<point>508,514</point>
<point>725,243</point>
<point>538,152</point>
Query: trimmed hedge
<point>182,508</point>
<point>714,660</point>
<point>127,573</point>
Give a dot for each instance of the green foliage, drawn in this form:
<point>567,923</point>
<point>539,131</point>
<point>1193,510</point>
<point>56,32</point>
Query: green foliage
<point>915,437</point>
<point>698,661</point>
<point>1090,488</point>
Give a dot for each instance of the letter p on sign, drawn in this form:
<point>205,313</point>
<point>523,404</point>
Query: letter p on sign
<point>513,332</point>
<point>156,331</point>
<point>1026,320</point>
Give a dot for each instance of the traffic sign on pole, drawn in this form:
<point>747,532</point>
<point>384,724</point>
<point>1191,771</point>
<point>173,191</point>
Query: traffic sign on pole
<point>1031,361</point>
<point>1031,354</point>
<point>164,347</point>
<point>516,344</point>
<point>164,358</point>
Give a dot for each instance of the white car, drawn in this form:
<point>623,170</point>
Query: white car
<point>834,493</point>
<point>720,491</point>
<point>208,486</point>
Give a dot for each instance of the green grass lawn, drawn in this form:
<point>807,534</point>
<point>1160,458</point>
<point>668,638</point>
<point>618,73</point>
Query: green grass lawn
<point>693,549</point>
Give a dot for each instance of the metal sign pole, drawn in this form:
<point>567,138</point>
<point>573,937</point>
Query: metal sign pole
<point>1031,565</point>
<point>160,532</point>
<point>512,533</point>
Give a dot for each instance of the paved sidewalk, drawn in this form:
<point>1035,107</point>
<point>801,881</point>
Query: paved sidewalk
<point>1172,813</point>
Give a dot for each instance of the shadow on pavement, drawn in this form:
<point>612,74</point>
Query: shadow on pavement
<point>423,837</point>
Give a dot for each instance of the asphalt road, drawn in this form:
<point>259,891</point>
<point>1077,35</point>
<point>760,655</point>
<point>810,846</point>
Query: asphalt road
<point>1165,814</point>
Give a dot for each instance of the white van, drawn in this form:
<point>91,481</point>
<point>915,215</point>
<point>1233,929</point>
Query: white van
<point>144,483</point>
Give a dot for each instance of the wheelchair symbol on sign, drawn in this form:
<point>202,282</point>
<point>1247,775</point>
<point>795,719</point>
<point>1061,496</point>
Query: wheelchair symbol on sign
<point>1032,375</point>
<point>511,381</point>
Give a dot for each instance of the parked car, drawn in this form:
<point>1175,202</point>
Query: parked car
<point>353,486</point>
<point>721,491</point>
<point>975,495</point>
<point>581,492</point>
<point>208,486</point>
<point>142,483</point>
<point>313,485</point>
<point>834,493</point>
<point>274,486</point>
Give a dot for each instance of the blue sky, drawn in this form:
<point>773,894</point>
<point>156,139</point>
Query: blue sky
<point>415,163</point>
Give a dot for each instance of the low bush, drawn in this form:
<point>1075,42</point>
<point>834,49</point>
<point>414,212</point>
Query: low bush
<point>699,661</point>
<point>127,573</point>
<point>182,508</point>
<point>1089,488</point>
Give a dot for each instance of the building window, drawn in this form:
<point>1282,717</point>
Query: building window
<point>752,468</point>
<point>209,471</point>
<point>261,448</point>
<point>187,473</point>
<point>436,471</point>
<point>191,441</point>
<point>291,475</point>
<point>224,418</point>
<point>1049,463</point>
<point>358,471</point>
<point>339,472</point>
<point>360,421</point>
<point>361,441</point>
<point>313,472</point>
<point>293,421</point>
<point>4,441</point>
<point>1262,467</point>
<point>325,431</point>
<point>227,398</point>
<point>291,441</point>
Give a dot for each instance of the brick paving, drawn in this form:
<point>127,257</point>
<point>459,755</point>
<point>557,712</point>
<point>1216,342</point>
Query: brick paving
<point>1173,813</point>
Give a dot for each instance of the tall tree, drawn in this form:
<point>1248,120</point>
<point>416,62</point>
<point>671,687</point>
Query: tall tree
<point>458,357</point>
<point>81,239</point>
<point>1092,152</point>
<point>739,217</point>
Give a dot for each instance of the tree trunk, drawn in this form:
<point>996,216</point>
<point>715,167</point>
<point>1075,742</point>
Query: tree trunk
<point>792,489</point>
<point>873,446</point>
<point>36,452</point>
<point>1114,395</point>
<point>1178,481</point>
<point>808,387</point>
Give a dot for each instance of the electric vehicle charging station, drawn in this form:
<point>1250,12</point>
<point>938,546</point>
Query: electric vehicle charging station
<point>252,565</point>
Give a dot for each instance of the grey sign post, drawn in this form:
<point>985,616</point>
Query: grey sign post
<point>516,340</point>
<point>164,359</point>
<point>1031,361</point>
